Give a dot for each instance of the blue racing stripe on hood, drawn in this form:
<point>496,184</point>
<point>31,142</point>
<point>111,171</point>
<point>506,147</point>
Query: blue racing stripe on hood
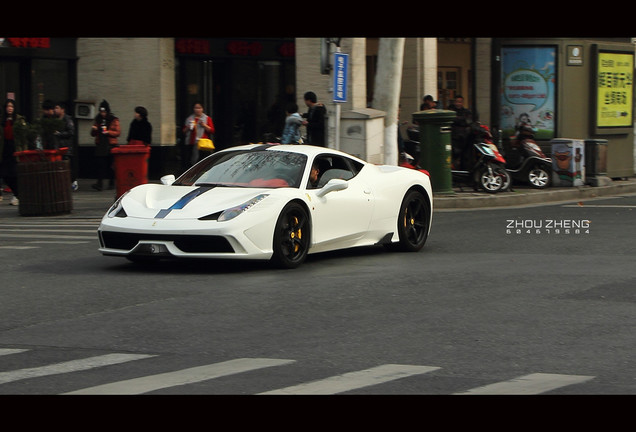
<point>183,201</point>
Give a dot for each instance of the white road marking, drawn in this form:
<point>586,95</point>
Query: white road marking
<point>599,206</point>
<point>528,385</point>
<point>181,377</point>
<point>59,242</point>
<point>7,351</point>
<point>69,366</point>
<point>353,380</point>
<point>46,230</point>
<point>19,247</point>
<point>47,236</point>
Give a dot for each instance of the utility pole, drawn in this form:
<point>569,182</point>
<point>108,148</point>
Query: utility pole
<point>386,93</point>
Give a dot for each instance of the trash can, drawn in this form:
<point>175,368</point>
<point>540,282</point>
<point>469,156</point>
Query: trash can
<point>596,162</point>
<point>435,147</point>
<point>131,166</point>
<point>44,182</point>
<point>568,162</point>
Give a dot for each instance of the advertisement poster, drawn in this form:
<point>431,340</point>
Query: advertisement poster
<point>614,89</point>
<point>528,89</point>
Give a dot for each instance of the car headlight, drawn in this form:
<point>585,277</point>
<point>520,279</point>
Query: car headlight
<point>233,212</point>
<point>117,209</point>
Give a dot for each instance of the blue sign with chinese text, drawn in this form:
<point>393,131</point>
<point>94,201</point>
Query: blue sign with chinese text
<point>340,77</point>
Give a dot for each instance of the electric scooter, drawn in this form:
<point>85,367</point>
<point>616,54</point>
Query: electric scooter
<point>526,162</point>
<point>484,167</point>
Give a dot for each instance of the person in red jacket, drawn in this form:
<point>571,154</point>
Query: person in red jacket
<point>198,125</point>
<point>106,130</point>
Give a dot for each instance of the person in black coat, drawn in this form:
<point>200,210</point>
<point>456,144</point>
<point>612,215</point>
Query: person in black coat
<point>315,120</point>
<point>140,128</point>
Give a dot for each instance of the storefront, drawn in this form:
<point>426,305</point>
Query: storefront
<point>242,83</point>
<point>36,69</point>
<point>568,88</point>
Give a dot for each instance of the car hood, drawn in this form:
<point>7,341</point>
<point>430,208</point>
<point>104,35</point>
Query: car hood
<point>154,201</point>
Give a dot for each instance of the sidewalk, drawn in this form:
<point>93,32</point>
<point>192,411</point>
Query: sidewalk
<point>525,195</point>
<point>89,203</point>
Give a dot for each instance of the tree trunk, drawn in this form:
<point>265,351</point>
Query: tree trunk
<point>386,93</point>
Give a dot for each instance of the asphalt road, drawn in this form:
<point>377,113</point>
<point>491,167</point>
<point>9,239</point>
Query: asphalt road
<point>498,302</point>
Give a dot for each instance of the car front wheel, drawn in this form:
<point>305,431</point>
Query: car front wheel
<point>291,236</point>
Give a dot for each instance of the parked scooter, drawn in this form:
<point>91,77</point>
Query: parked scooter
<point>526,162</point>
<point>484,166</point>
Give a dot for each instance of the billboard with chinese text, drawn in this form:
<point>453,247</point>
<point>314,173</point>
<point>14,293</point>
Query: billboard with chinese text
<point>614,89</point>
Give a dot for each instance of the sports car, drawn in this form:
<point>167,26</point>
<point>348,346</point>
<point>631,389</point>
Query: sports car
<point>270,202</point>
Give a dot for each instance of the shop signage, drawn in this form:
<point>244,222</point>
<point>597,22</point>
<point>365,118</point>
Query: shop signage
<point>192,46</point>
<point>614,89</point>
<point>31,42</point>
<point>575,55</point>
<point>216,47</point>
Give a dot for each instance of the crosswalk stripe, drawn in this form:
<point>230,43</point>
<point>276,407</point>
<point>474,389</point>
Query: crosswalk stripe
<point>528,385</point>
<point>353,380</point>
<point>69,366</point>
<point>186,376</point>
<point>7,351</point>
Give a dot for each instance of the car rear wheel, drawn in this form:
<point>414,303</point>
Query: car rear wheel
<point>291,236</point>
<point>413,221</point>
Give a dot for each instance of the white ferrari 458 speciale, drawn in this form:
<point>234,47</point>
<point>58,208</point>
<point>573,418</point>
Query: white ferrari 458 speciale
<point>262,201</point>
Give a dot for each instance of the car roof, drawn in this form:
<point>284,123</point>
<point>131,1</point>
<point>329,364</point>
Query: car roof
<point>309,150</point>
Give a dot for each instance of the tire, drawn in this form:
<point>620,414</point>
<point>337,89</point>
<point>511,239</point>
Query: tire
<point>291,236</point>
<point>539,177</point>
<point>505,177</point>
<point>413,221</point>
<point>489,183</point>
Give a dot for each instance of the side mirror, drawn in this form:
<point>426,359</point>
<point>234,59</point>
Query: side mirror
<point>168,179</point>
<point>333,185</point>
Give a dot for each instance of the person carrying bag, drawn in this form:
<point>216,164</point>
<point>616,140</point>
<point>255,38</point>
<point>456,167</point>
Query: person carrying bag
<point>198,130</point>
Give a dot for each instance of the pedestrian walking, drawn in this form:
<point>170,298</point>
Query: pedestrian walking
<point>10,142</point>
<point>49,123</point>
<point>106,129</point>
<point>198,125</point>
<point>65,138</point>
<point>293,121</point>
<point>315,120</point>
<point>460,132</point>
<point>140,130</point>
<point>428,103</point>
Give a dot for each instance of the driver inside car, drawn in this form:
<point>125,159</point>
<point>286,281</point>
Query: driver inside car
<point>313,176</point>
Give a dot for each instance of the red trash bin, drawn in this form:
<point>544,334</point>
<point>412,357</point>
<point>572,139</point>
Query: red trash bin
<point>131,166</point>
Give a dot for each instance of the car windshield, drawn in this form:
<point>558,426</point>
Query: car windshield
<point>247,168</point>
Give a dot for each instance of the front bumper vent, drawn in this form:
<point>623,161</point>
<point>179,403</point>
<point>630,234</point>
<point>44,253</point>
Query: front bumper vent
<point>186,243</point>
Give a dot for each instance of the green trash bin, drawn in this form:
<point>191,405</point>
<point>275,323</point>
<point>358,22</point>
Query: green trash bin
<point>435,147</point>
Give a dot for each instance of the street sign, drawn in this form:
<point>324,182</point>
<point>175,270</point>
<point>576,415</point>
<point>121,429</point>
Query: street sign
<point>341,62</point>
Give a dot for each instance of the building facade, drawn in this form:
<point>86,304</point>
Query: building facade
<point>245,84</point>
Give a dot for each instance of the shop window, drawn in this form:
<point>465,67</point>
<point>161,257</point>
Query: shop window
<point>49,80</point>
